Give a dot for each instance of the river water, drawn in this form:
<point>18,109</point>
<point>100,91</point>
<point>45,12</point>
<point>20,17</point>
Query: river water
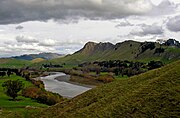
<point>65,89</point>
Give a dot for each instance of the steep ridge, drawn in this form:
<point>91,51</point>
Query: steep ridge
<point>152,94</point>
<point>127,50</point>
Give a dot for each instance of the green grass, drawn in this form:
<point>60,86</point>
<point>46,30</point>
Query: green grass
<point>9,106</point>
<point>173,49</point>
<point>13,63</point>
<point>151,94</point>
<point>120,77</point>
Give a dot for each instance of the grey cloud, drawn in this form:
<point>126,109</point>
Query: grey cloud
<point>16,11</point>
<point>19,27</point>
<point>153,29</point>
<point>26,39</point>
<point>164,8</point>
<point>173,24</point>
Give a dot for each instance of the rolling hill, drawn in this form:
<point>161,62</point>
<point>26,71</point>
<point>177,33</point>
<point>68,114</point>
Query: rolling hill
<point>13,63</point>
<point>46,56</point>
<point>152,94</point>
<point>128,50</point>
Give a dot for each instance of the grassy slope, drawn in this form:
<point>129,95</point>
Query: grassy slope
<point>13,63</point>
<point>37,60</point>
<point>123,52</point>
<point>15,106</point>
<point>152,94</point>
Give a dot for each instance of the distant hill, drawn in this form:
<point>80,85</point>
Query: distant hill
<point>127,50</point>
<point>152,94</point>
<point>13,63</point>
<point>46,56</point>
<point>37,60</point>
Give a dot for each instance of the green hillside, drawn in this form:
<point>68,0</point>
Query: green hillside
<point>13,63</point>
<point>152,94</point>
<point>128,50</point>
<point>8,107</point>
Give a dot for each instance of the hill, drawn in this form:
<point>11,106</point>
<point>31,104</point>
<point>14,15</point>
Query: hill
<point>128,50</point>
<point>37,60</point>
<point>46,56</point>
<point>13,63</point>
<point>152,94</point>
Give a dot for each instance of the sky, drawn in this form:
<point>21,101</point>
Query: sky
<point>64,26</point>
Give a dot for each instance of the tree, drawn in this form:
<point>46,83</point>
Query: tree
<point>12,87</point>
<point>9,73</point>
<point>2,74</point>
<point>27,76</point>
<point>154,64</point>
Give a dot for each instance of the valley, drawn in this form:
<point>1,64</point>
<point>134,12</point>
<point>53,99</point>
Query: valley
<point>89,58</point>
<point>97,76</point>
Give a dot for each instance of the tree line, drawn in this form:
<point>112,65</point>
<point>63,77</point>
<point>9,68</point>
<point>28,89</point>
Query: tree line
<point>119,67</point>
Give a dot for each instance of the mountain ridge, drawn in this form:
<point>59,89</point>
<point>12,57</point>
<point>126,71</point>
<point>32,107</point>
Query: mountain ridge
<point>127,50</point>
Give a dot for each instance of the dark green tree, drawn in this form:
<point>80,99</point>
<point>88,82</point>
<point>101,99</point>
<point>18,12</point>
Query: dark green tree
<point>12,87</point>
<point>9,73</point>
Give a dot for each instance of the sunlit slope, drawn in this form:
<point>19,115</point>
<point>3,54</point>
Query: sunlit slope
<point>37,60</point>
<point>153,94</point>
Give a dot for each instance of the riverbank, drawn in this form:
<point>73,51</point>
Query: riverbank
<point>67,78</point>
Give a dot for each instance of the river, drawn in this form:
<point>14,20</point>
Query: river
<point>65,89</point>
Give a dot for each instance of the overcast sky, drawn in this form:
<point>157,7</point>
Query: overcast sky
<point>64,26</point>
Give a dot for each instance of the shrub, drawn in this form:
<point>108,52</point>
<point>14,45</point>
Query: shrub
<point>51,100</point>
<point>12,88</point>
<point>31,92</point>
<point>38,83</point>
<point>42,98</point>
<point>105,78</point>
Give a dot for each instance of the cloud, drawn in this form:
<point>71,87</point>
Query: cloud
<point>17,11</point>
<point>28,48</point>
<point>124,24</point>
<point>19,27</point>
<point>173,24</point>
<point>153,29</point>
<point>164,8</point>
<point>48,42</point>
<point>26,39</point>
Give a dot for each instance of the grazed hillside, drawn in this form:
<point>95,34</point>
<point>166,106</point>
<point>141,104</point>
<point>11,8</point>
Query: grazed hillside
<point>152,94</point>
<point>128,50</point>
<point>13,63</point>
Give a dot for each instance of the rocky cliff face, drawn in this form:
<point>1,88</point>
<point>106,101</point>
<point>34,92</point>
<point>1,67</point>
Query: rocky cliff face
<point>92,47</point>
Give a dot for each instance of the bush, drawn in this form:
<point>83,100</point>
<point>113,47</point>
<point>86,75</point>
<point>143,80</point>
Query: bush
<point>31,92</point>
<point>38,83</point>
<point>105,78</point>
<point>154,64</point>
<point>42,98</point>
<point>12,88</point>
<point>51,100</point>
